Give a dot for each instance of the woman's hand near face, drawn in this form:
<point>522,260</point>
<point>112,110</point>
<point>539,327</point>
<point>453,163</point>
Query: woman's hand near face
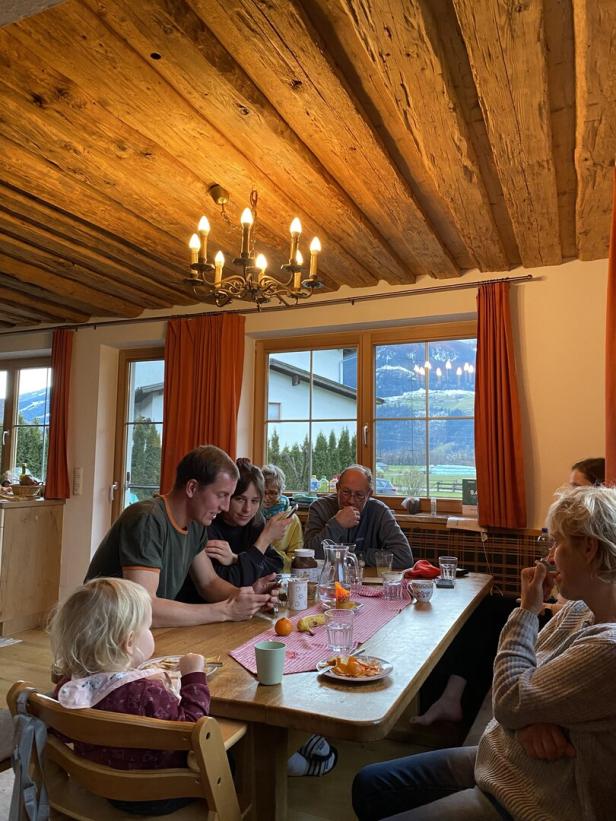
<point>221,551</point>
<point>274,529</point>
<point>536,586</point>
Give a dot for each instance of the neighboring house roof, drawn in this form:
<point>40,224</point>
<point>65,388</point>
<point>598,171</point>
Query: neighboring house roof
<point>144,390</point>
<point>319,381</point>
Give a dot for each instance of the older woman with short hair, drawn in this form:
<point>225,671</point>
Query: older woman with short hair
<point>558,683</point>
<point>274,501</point>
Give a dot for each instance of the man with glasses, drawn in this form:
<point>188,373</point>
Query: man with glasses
<point>351,515</point>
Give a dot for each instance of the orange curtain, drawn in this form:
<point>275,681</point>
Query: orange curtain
<point>610,355</point>
<point>498,437</point>
<point>57,484</point>
<point>204,360</point>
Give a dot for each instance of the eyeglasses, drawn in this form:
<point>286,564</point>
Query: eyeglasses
<point>353,494</point>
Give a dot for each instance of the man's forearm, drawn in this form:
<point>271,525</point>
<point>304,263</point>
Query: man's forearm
<point>169,613</point>
<point>216,589</point>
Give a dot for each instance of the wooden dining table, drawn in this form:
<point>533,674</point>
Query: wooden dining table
<point>413,641</point>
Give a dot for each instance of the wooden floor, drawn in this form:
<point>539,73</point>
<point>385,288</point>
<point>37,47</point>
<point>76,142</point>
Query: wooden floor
<point>30,660</point>
<point>325,799</point>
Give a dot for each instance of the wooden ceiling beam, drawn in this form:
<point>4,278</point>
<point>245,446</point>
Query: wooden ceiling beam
<point>461,76</point>
<point>43,179</point>
<point>130,283</point>
<point>21,242</point>
<point>48,272</point>
<point>561,81</point>
<point>15,292</point>
<point>505,42</point>
<point>23,278</point>
<point>330,19</point>
<point>595,47</point>
<point>13,301</point>
<point>136,96</point>
<point>201,70</point>
<point>23,204</point>
<point>404,45</point>
<point>280,50</point>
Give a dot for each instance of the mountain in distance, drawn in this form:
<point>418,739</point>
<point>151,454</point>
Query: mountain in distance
<point>31,406</point>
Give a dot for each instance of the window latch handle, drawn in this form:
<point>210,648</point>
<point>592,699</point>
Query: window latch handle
<point>112,490</point>
<point>5,435</point>
<point>365,434</point>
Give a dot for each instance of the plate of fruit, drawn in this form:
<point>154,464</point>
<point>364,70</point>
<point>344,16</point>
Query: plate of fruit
<point>354,669</point>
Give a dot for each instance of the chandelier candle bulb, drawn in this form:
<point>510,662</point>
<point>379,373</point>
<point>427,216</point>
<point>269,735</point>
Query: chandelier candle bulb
<point>204,229</point>
<point>194,245</point>
<point>246,222</point>
<point>296,230</point>
<point>261,264</point>
<point>219,261</point>
<point>315,247</point>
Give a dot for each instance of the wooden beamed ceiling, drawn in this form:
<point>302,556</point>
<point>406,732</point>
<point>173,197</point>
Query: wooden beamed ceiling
<point>415,137</point>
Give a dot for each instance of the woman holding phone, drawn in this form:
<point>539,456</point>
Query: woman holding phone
<point>239,540</point>
<point>274,501</point>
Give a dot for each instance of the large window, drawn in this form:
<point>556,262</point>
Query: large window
<point>401,402</point>
<point>139,428</point>
<point>25,388</point>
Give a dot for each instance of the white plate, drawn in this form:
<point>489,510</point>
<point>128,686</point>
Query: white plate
<point>386,668</point>
<point>170,664</point>
<point>358,606</point>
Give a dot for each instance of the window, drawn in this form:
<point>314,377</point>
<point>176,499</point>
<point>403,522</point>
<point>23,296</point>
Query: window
<point>139,427</point>
<point>25,387</point>
<point>410,393</point>
<point>311,423</point>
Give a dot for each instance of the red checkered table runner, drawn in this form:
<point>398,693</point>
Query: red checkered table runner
<point>304,650</point>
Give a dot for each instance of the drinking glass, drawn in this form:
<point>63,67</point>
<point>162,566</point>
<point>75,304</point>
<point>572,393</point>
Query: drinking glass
<point>448,566</point>
<point>384,560</point>
<point>392,589</point>
<point>340,631</point>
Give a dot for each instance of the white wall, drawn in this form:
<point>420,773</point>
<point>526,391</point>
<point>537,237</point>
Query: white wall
<point>559,327</point>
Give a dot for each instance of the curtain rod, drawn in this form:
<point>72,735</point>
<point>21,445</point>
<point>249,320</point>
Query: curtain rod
<point>459,286</point>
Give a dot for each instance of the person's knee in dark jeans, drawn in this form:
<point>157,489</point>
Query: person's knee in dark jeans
<point>389,787</point>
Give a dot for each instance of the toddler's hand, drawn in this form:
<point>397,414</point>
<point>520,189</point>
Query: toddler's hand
<point>192,663</point>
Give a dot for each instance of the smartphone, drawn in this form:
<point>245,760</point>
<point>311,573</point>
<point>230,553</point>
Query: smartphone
<point>462,571</point>
<point>291,511</point>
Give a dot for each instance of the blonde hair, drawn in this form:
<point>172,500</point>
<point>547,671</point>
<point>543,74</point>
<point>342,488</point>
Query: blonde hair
<point>90,629</point>
<point>588,513</point>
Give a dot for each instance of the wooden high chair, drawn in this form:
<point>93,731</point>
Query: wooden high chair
<point>78,788</point>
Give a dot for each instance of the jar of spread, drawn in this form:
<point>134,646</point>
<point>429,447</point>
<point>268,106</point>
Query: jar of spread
<point>304,565</point>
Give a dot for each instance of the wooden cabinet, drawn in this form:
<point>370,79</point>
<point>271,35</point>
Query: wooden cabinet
<point>30,547</point>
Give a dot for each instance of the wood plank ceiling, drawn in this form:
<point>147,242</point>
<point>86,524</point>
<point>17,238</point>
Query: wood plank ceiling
<point>415,137</point>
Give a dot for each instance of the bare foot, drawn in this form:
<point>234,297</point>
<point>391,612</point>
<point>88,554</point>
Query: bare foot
<point>441,710</point>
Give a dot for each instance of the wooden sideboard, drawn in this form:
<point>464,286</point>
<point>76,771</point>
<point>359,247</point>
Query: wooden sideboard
<point>30,548</point>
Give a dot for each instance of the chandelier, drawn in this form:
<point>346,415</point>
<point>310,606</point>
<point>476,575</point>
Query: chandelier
<point>213,283</point>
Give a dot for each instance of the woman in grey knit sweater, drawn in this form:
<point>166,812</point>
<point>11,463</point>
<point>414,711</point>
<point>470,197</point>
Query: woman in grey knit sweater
<point>549,752</point>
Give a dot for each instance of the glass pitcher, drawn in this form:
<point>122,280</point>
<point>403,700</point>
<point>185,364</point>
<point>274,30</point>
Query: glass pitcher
<point>340,566</point>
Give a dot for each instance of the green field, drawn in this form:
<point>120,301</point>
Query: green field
<point>410,480</point>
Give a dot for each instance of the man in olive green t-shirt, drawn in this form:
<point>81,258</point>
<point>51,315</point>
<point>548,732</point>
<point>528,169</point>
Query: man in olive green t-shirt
<point>156,543</point>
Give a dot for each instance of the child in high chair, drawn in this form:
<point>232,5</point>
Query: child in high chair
<point>99,637</point>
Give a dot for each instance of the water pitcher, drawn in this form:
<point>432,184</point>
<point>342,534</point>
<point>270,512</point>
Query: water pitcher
<point>340,566</point>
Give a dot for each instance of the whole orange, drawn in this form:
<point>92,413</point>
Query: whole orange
<point>283,627</point>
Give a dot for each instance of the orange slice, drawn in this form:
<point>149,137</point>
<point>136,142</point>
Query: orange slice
<point>341,592</point>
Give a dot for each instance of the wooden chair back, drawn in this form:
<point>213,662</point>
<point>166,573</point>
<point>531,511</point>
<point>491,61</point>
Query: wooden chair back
<point>207,775</point>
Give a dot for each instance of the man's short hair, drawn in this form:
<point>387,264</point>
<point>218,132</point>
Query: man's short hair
<point>204,464</point>
<point>362,469</point>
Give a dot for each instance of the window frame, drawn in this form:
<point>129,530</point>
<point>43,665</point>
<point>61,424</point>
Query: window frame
<point>125,359</point>
<point>364,340</point>
<point>11,366</point>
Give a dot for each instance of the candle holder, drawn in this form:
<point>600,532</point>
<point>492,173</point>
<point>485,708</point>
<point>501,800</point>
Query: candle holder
<point>252,284</point>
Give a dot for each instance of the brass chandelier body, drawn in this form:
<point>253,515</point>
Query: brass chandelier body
<point>253,284</point>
